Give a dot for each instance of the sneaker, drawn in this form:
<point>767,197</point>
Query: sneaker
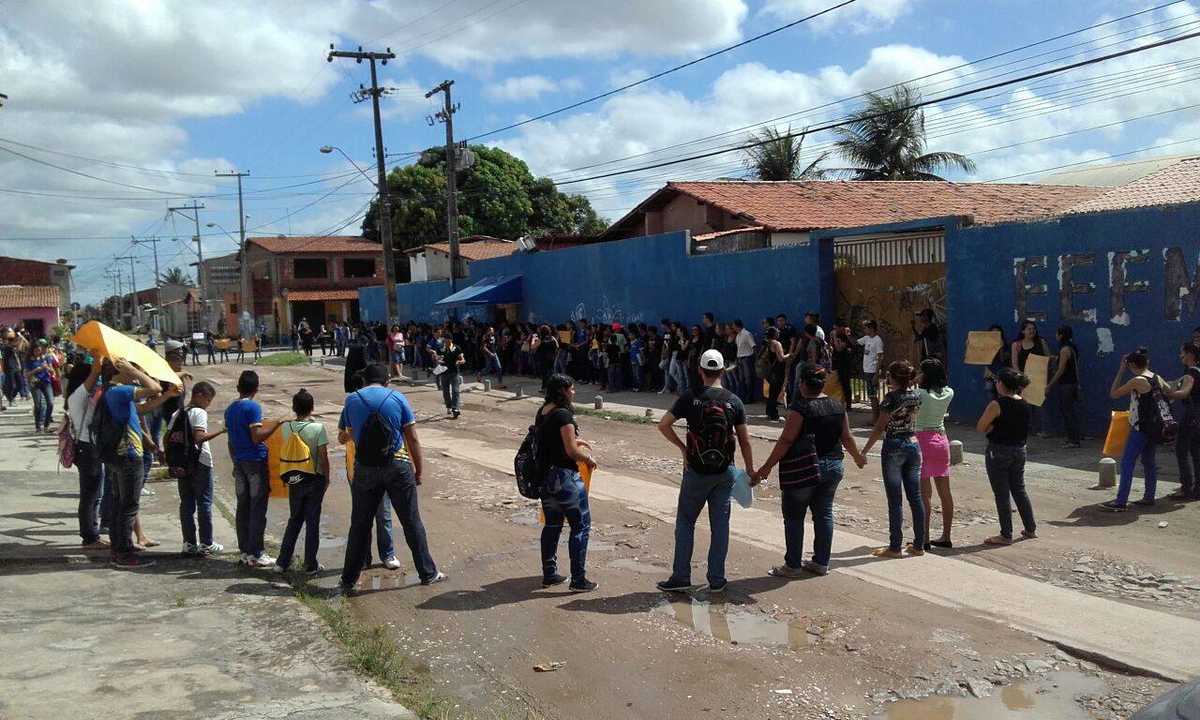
<point>392,563</point>
<point>244,559</point>
<point>319,568</point>
<point>263,560</point>
<point>1145,502</point>
<point>190,550</point>
<point>147,491</point>
<point>553,580</point>
<point>129,561</point>
<point>437,578</point>
<point>582,586</point>
<point>717,589</point>
<point>1112,506</point>
<point>281,569</point>
<point>97,544</point>
<point>816,568</point>
<point>785,571</point>
<point>672,585</point>
<point>343,590</point>
<point>456,414</point>
<point>211,548</point>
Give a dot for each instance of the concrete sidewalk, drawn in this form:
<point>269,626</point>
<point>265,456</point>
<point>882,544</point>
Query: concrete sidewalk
<point>185,638</point>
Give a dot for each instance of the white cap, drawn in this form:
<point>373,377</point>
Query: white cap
<point>712,360</point>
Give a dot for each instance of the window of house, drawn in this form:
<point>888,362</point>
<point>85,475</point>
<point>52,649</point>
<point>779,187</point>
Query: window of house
<point>358,267</point>
<point>310,269</point>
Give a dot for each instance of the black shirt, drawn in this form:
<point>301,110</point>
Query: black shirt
<point>1070,374</point>
<point>551,451</point>
<point>824,419</point>
<point>787,333</point>
<point>1011,428</point>
<point>450,358</point>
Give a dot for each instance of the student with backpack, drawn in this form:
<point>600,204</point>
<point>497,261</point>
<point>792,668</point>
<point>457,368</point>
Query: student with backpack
<point>304,466</point>
<point>81,409</point>
<point>1187,445</point>
<point>715,417</point>
<point>1151,425</point>
<point>190,461</point>
<point>247,448</point>
<point>387,461</point>
<point>117,434</point>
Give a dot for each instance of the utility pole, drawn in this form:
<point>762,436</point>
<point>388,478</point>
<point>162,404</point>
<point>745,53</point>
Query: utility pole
<point>244,289</point>
<point>120,299</point>
<point>385,207</point>
<point>135,311</point>
<point>115,317</point>
<point>153,243</point>
<point>196,208</point>
<point>446,115</point>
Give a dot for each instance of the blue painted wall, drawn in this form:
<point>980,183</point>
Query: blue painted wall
<point>1147,307</point>
<point>415,301</point>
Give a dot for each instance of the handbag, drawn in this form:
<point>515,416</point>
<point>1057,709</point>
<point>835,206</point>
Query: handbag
<point>66,446</point>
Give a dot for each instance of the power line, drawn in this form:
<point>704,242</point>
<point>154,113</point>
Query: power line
<point>912,106</point>
<point>663,73</point>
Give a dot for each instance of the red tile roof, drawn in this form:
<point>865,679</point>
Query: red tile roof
<point>309,295</point>
<point>812,205</point>
<point>478,250</point>
<point>335,244</point>
<point>28,296</point>
<point>1174,184</point>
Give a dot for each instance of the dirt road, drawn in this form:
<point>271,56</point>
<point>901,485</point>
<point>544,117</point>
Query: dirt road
<point>835,647</point>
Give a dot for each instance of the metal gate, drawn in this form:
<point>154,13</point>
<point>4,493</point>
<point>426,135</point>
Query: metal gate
<point>889,278</point>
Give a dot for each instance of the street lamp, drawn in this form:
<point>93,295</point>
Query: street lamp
<point>327,149</point>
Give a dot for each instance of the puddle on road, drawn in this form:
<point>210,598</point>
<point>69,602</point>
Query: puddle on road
<point>730,624</point>
<point>394,581</point>
<point>1049,696</point>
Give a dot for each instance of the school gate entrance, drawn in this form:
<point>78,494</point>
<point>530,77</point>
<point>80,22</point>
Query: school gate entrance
<point>889,278</point>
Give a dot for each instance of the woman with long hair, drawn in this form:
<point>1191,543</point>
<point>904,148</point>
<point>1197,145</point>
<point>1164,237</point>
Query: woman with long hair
<point>901,459</point>
<point>395,344</point>
<point>1065,385</point>
<point>935,395</point>
<point>1145,389</point>
<point>1029,342</point>
<point>809,454</point>
<point>1007,421</point>
<point>560,452</point>
<point>772,365</point>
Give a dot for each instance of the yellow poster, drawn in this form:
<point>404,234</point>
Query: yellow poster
<point>1037,369</point>
<point>249,345</point>
<point>982,346</point>
<point>564,337</point>
<point>223,344</point>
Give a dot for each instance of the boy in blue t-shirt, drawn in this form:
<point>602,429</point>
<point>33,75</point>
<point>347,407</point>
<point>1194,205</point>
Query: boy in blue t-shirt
<point>248,450</point>
<point>125,386</point>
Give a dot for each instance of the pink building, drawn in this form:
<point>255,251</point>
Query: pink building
<point>34,305</point>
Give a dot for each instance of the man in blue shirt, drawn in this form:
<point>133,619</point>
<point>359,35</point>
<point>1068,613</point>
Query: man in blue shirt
<point>125,386</point>
<point>248,450</point>
<point>398,479</point>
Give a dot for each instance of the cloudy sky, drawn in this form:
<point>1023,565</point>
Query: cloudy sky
<point>118,109</point>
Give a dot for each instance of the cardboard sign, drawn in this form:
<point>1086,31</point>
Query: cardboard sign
<point>564,337</point>
<point>223,344</point>
<point>982,346</point>
<point>1037,369</point>
<point>249,345</point>
<point>197,336</point>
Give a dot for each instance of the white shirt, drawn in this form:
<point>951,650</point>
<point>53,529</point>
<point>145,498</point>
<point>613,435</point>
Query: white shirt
<point>198,418</point>
<point>872,349</point>
<point>81,409</point>
<point>820,333</point>
<point>745,343</point>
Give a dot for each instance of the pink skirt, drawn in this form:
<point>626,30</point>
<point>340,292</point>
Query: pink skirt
<point>935,454</point>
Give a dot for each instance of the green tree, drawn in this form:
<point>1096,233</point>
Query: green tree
<point>776,156</point>
<point>176,276</point>
<point>886,141</point>
<point>497,196</point>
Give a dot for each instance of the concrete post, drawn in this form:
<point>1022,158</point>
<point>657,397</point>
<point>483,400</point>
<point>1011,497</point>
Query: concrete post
<point>1108,473</point>
<point>599,402</point>
<point>487,385</point>
<point>649,413</point>
<point>956,452</point>
<point>520,391</point>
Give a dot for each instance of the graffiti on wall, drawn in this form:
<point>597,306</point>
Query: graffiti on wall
<point>606,313</point>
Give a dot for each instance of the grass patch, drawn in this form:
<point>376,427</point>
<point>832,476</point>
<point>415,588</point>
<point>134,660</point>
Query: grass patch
<point>615,415</point>
<point>283,359</point>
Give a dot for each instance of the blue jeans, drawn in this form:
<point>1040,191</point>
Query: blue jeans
<point>1138,445</point>
<point>746,379</point>
<point>370,485</point>
<point>565,499</point>
<point>195,505</point>
<point>43,405</point>
<point>677,374</point>
<point>818,498</point>
<point>126,477</point>
<point>491,366</point>
<point>1006,472</point>
<point>251,487</point>
<point>694,492</point>
<point>901,460</point>
<point>153,426</point>
<point>91,487</point>
<point>451,389</point>
<point>383,534</point>
<point>304,505</point>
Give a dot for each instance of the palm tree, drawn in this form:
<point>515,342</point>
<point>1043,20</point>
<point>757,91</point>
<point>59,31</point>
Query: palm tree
<point>176,276</point>
<point>886,141</point>
<point>775,155</point>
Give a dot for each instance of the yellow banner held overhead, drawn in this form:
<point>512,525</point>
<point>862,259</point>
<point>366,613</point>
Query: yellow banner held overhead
<point>104,341</point>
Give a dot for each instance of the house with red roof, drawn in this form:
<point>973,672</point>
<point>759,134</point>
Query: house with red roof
<point>432,261</point>
<point>35,307</point>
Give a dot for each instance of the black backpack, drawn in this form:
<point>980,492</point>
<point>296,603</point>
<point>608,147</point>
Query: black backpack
<point>1154,415</point>
<point>107,434</point>
<point>181,451</point>
<point>527,466</point>
<point>710,445</point>
<point>374,447</point>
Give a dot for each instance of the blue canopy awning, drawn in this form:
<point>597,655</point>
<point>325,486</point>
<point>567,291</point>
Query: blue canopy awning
<point>495,290</point>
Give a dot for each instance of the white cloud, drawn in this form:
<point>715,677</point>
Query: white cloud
<point>524,87</point>
<point>860,17</point>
